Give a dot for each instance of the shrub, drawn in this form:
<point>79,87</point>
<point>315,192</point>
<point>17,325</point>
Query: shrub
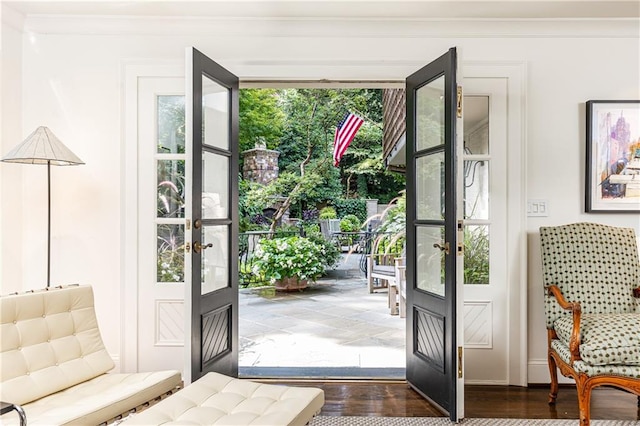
<point>328,213</point>
<point>354,206</point>
<point>350,223</point>
<point>289,257</point>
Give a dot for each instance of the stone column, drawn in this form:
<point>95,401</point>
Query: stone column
<point>260,164</point>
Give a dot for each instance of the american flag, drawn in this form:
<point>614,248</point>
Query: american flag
<point>345,132</point>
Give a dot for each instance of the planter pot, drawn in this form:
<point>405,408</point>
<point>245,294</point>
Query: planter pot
<point>290,284</point>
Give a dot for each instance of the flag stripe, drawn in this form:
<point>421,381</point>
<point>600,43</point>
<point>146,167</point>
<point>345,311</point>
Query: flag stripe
<point>345,132</point>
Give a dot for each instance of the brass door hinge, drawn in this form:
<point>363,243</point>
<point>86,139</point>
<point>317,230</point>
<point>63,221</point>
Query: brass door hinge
<point>460,245</point>
<point>188,224</point>
<point>459,362</point>
<point>459,102</point>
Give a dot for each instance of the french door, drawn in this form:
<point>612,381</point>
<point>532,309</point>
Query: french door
<point>434,317</point>
<point>212,227</point>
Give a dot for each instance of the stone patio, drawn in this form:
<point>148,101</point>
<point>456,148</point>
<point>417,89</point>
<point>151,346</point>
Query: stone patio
<point>332,328</point>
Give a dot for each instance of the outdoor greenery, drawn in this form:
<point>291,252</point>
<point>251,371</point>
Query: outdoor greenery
<point>303,133</point>
<point>350,223</point>
<point>289,257</point>
<point>328,213</point>
<point>476,255</point>
<point>351,206</point>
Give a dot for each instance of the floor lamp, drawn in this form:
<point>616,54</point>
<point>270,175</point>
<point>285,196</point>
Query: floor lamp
<point>43,147</point>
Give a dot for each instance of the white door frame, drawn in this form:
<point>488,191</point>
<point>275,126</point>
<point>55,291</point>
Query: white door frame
<point>515,75</point>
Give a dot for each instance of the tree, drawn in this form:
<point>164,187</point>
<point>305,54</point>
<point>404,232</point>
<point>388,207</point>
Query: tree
<point>261,118</point>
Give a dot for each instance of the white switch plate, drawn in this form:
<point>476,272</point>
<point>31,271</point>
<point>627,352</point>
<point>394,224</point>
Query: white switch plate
<point>537,208</point>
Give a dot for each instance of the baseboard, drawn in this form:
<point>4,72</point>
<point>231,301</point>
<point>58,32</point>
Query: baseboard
<point>538,373</point>
<point>486,382</point>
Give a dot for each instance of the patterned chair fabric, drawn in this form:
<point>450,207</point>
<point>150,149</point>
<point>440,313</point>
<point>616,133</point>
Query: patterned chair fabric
<point>594,264</point>
<point>596,269</point>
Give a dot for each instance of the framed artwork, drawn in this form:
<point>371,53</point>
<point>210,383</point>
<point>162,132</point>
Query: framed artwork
<point>613,157</point>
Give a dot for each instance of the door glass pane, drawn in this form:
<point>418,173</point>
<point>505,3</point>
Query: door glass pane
<point>215,186</point>
<point>476,124</point>
<point>171,124</point>
<point>430,186</point>
<point>430,260</point>
<point>171,188</point>
<point>215,114</point>
<point>215,259</point>
<point>476,189</point>
<point>476,255</point>
<point>430,114</point>
<point>170,259</point>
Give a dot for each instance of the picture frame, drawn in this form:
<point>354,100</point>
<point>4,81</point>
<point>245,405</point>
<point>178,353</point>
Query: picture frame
<point>612,183</point>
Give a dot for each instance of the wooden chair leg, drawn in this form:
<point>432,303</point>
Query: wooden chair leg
<point>584,400</point>
<point>553,372</point>
<point>393,299</point>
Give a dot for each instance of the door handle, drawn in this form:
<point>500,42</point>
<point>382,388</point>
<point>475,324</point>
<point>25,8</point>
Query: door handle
<point>197,247</point>
<point>444,248</point>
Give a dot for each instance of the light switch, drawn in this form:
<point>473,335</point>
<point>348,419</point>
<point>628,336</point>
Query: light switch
<point>537,208</point>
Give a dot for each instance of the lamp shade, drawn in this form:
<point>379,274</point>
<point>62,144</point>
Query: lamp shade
<point>42,147</point>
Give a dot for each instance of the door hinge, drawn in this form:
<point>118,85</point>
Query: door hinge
<point>187,247</point>
<point>459,362</point>
<point>188,224</point>
<point>460,245</point>
<point>459,102</point>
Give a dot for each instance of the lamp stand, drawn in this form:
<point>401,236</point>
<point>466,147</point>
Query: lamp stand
<point>48,223</point>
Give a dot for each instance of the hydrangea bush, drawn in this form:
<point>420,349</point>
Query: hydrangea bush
<point>280,258</point>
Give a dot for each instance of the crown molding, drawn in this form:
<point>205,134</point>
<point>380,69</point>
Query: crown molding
<point>11,17</point>
<point>332,28</point>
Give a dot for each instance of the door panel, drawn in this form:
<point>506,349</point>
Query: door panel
<point>212,129</point>
<point>433,296</point>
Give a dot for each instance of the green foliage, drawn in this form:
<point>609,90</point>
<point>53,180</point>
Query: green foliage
<point>261,118</point>
<point>331,252</point>
<point>328,213</point>
<point>393,226</point>
<point>350,223</point>
<point>289,257</point>
<point>476,255</point>
<point>351,206</point>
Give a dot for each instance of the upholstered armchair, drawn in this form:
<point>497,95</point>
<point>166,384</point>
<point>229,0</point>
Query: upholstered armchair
<point>591,276</point>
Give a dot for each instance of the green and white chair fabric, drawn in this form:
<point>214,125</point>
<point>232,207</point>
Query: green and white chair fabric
<point>591,275</point>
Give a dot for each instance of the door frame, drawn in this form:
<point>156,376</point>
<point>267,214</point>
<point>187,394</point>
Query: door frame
<point>514,72</point>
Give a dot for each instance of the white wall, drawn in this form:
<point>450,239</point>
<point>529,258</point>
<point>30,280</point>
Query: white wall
<point>72,83</point>
<point>12,184</point>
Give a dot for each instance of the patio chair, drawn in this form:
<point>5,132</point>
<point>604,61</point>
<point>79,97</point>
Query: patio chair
<point>591,276</point>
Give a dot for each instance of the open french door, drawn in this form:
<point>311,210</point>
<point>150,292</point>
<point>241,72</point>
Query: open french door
<point>434,297</point>
<point>212,217</point>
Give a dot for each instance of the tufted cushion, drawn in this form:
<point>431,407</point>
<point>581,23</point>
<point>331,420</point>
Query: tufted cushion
<point>49,341</point>
<point>596,265</point>
<point>605,339</point>
<point>216,399</point>
<point>594,370</point>
<point>97,400</point>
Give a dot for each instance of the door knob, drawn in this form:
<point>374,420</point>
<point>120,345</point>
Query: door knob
<point>197,247</point>
<point>444,248</point>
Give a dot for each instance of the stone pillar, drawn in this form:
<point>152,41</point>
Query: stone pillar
<point>260,164</point>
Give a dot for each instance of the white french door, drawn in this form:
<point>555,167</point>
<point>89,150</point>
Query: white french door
<point>161,224</point>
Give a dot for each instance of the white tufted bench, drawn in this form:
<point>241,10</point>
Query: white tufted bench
<point>54,364</point>
<point>216,399</point>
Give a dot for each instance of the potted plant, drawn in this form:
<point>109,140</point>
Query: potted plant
<point>289,263</point>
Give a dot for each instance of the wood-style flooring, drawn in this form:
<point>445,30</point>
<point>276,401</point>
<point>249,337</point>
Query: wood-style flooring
<point>396,399</point>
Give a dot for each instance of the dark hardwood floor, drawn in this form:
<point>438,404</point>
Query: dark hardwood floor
<point>363,398</point>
